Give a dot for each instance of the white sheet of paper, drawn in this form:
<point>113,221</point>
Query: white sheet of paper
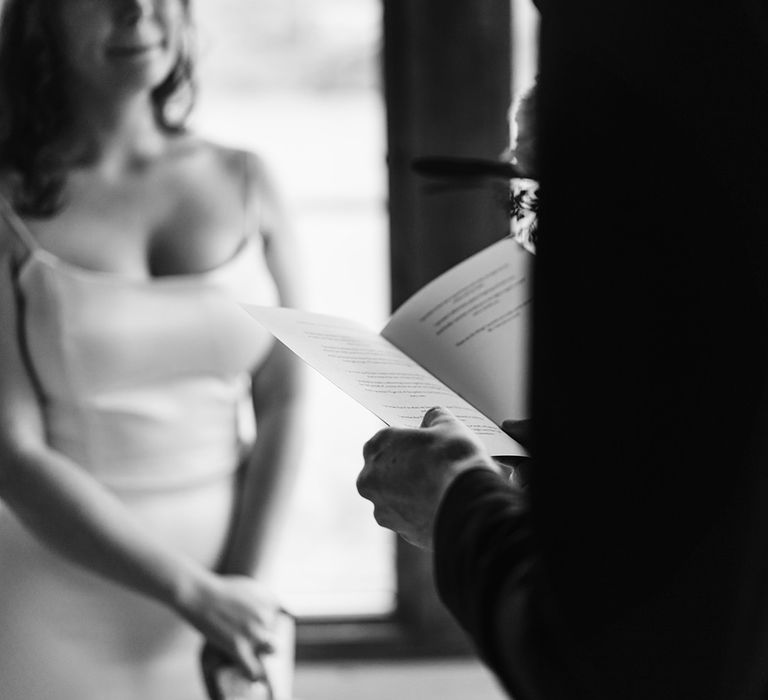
<point>374,372</point>
<point>472,329</point>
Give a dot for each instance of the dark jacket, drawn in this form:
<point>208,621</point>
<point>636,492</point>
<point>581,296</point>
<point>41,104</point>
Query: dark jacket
<point>636,565</point>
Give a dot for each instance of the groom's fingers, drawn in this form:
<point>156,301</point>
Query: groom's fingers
<point>434,415</point>
<point>519,430</point>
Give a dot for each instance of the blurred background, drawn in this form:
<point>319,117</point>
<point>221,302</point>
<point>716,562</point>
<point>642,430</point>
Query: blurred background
<point>297,81</point>
<point>300,82</point>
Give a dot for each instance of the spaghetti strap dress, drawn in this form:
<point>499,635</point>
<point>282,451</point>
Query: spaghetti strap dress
<point>146,386</point>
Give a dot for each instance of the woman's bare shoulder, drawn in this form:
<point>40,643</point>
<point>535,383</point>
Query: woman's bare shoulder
<point>251,173</point>
<point>240,163</point>
<point>237,165</point>
<point>212,169</point>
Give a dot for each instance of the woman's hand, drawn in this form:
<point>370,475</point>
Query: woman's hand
<point>236,615</point>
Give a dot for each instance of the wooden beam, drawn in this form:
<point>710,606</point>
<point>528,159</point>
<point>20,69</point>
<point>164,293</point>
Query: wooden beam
<point>447,78</point>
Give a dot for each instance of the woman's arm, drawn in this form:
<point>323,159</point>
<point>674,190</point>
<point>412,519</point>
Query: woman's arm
<point>60,503</point>
<point>277,392</point>
<point>82,521</point>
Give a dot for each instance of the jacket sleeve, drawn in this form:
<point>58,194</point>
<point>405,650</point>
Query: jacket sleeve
<point>482,546</point>
<point>488,574</point>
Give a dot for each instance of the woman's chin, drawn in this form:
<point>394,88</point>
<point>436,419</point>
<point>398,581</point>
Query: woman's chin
<point>140,70</point>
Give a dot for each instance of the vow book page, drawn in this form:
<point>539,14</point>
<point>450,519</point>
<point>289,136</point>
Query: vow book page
<point>452,344</point>
<point>470,328</point>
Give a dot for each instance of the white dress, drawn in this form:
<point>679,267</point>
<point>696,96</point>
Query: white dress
<point>145,385</point>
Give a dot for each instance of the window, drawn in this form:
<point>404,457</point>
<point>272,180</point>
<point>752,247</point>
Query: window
<point>298,82</point>
<point>525,34</point>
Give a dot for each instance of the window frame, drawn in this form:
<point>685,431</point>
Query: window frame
<point>447,74</point>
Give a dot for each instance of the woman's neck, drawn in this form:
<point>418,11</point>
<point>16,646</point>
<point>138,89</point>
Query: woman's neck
<point>114,134</point>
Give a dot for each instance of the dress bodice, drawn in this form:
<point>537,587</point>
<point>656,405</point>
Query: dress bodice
<point>144,385</point>
<point>144,382</point>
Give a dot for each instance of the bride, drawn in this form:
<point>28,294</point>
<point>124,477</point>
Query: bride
<point>135,497</point>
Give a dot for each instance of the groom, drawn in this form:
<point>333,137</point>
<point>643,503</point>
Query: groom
<point>635,563</point>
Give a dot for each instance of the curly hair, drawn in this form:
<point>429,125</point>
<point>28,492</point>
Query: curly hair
<point>36,113</point>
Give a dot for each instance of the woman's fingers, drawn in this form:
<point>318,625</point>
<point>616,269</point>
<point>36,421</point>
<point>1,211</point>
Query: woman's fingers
<point>240,619</point>
<point>247,658</point>
<point>261,638</point>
